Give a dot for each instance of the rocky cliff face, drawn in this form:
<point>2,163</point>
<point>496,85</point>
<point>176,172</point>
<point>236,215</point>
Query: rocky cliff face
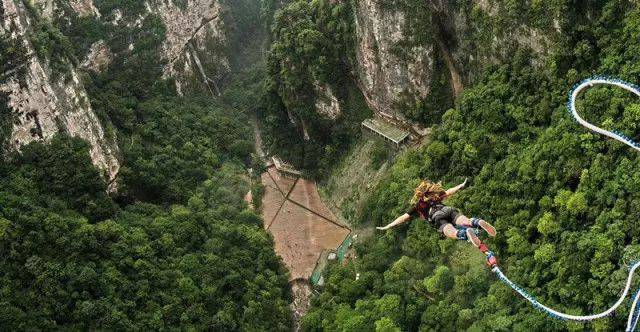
<point>385,74</point>
<point>395,60</point>
<point>483,32</point>
<point>46,103</point>
<point>196,42</point>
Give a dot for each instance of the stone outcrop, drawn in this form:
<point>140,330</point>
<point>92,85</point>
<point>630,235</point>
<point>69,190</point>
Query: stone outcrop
<point>45,104</point>
<point>327,103</point>
<point>384,75</point>
<point>99,57</point>
<point>84,7</point>
<point>195,38</point>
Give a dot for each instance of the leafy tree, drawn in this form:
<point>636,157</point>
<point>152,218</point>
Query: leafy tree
<point>562,199</point>
<point>177,247</point>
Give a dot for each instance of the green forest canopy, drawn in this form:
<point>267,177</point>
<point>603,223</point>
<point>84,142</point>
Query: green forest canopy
<point>171,249</point>
<point>564,200</point>
<point>176,248</point>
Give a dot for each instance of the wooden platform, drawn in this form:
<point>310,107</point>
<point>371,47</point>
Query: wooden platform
<point>387,130</point>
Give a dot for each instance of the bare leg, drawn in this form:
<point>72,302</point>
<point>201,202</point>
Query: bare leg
<point>466,222</point>
<point>463,220</point>
<point>450,231</point>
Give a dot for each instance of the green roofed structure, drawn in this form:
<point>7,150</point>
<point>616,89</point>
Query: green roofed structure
<point>340,254</point>
<point>388,131</point>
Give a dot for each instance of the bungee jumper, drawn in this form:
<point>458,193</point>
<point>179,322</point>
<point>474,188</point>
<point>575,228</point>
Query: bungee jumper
<point>428,200</point>
<point>427,203</point>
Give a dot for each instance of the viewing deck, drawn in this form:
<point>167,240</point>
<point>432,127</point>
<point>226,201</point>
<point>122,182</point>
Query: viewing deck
<point>285,168</point>
<point>387,130</point>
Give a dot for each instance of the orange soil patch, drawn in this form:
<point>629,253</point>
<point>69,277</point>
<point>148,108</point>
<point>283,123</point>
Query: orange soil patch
<point>272,200</point>
<point>306,194</point>
<point>301,236</point>
<point>249,199</point>
<point>283,183</point>
<point>301,225</point>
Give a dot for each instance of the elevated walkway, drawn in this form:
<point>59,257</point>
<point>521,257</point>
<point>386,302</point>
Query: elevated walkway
<point>284,168</point>
<point>390,132</point>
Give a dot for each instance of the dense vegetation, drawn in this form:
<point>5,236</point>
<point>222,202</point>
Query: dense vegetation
<point>72,258</point>
<point>176,247</point>
<point>564,200</point>
<point>311,51</point>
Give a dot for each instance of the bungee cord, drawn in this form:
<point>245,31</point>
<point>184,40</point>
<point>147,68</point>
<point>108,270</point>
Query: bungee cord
<point>571,105</point>
<point>634,313</point>
<point>559,315</point>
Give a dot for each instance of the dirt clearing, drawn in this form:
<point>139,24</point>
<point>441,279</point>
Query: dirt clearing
<point>301,224</point>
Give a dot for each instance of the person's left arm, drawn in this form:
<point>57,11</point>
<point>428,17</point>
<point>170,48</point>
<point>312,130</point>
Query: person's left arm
<point>455,189</point>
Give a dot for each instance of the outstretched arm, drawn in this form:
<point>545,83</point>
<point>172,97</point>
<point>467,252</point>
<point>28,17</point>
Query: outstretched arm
<point>455,189</point>
<point>400,220</point>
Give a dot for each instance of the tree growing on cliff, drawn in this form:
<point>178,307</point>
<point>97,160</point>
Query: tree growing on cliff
<point>564,199</point>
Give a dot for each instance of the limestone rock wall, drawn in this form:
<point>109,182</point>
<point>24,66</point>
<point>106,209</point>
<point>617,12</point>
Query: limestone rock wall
<point>484,35</point>
<point>195,41</point>
<point>394,68</point>
<point>45,104</point>
<point>383,73</point>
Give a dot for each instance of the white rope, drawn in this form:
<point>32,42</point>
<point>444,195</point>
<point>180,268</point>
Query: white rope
<point>634,316</point>
<point>560,315</point>
<point>631,321</point>
<point>606,81</point>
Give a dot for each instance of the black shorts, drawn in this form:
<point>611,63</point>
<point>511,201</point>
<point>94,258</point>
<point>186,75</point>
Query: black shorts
<point>442,215</point>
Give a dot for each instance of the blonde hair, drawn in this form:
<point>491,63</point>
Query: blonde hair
<point>429,190</point>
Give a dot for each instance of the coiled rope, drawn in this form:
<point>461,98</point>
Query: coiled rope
<point>634,313</point>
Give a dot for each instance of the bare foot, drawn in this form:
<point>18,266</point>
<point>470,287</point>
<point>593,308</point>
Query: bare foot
<point>381,228</point>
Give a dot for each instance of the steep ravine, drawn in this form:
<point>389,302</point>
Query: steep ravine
<point>302,226</point>
<point>48,100</point>
<point>45,104</point>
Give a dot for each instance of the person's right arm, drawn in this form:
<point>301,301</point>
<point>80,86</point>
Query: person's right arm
<point>399,221</point>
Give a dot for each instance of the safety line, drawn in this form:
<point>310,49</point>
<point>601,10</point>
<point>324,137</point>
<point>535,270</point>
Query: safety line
<point>560,315</point>
<point>634,313</point>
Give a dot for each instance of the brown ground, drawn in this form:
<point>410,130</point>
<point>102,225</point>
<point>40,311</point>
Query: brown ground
<point>302,226</point>
<point>272,200</point>
<point>306,194</point>
<point>282,182</point>
<point>301,301</point>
